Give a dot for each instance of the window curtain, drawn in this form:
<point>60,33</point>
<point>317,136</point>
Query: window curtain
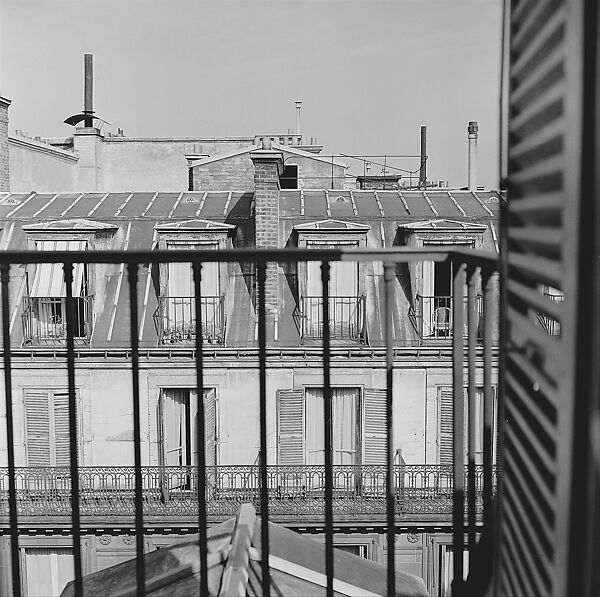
<point>48,571</point>
<point>48,281</point>
<point>343,282</point>
<point>174,427</point>
<point>345,403</point>
<point>180,288</point>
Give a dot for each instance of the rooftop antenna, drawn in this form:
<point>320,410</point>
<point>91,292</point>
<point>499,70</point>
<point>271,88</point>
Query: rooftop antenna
<point>87,116</point>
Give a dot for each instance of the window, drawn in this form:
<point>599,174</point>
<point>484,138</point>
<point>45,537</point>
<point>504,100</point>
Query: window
<point>446,418</point>
<point>346,306</point>
<point>289,177</point>
<point>47,571</point>
<point>44,310</point>
<point>358,426</point>
<point>361,549</point>
<point>347,319</point>
<point>177,421</point>
<point>435,301</point>
<point>47,427</point>
<point>178,305</point>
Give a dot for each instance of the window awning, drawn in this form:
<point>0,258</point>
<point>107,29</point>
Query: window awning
<point>49,281</point>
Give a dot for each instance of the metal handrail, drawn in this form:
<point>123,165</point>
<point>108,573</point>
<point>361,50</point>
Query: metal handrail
<point>176,319</point>
<point>346,317</point>
<point>44,319</point>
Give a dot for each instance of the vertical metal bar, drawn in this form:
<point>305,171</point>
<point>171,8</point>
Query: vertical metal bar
<point>458,432</point>
<point>262,392</point>
<point>389,274</point>
<point>140,564</point>
<point>327,410</point>
<point>201,432</point>
<point>488,402</point>
<point>10,438</point>
<point>73,440</point>
<point>472,274</point>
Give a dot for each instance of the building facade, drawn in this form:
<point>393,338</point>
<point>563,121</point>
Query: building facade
<point>263,216</point>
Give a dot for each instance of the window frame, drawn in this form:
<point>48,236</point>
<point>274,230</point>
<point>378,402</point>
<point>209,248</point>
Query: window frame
<point>160,454</point>
<point>79,410</point>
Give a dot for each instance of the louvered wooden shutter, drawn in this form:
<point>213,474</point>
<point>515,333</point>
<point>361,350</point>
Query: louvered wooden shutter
<point>37,414</point>
<point>290,427</point>
<point>546,130</point>
<point>60,413</point>
<point>445,400</point>
<point>374,433</point>
<point>210,426</point>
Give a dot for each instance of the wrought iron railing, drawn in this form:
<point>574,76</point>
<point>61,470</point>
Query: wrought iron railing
<point>471,490</point>
<point>346,318</point>
<point>433,317</point>
<point>44,320</point>
<point>551,325</point>
<point>293,491</point>
<point>176,319</point>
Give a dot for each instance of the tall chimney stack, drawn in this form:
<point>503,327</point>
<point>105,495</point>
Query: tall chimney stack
<point>88,90</point>
<point>298,106</point>
<point>423,166</point>
<point>472,130</point>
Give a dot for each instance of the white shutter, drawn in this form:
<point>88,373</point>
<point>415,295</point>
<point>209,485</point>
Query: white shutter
<point>446,418</point>
<point>210,426</point>
<point>374,435</point>
<point>290,427</point>
<point>60,414</point>
<point>37,415</point>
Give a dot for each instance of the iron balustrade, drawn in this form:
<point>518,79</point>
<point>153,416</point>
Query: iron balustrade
<point>346,318</point>
<point>176,319</point>
<point>551,325</point>
<point>44,320</point>
<point>470,492</point>
<point>433,315</point>
<point>294,491</point>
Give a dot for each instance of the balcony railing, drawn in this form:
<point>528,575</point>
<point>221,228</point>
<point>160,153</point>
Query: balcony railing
<point>44,320</point>
<point>293,491</point>
<point>346,318</point>
<point>551,325</point>
<point>326,493</point>
<point>434,317</point>
<point>176,319</point>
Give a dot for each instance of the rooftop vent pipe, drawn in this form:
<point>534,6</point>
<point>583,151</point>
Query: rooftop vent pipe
<point>472,130</point>
<point>298,106</point>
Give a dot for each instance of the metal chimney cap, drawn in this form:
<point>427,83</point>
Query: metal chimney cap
<point>298,103</point>
<point>473,127</point>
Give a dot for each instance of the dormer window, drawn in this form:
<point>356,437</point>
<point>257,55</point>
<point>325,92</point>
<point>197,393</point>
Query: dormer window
<point>432,280</point>
<point>346,294</point>
<point>44,303</point>
<point>176,314</point>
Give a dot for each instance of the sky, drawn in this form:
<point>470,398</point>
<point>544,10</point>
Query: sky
<point>369,72</point>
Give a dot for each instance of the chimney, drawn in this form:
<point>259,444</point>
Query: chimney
<point>298,107</point>
<point>4,168</point>
<point>88,89</point>
<point>87,140</point>
<point>472,130</point>
<point>423,163</point>
<point>268,167</point>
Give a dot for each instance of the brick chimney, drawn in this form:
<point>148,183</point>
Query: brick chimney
<point>268,167</point>
<point>4,169</point>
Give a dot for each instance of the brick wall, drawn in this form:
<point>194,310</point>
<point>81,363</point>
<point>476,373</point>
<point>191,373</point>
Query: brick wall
<point>4,170</point>
<point>268,166</point>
